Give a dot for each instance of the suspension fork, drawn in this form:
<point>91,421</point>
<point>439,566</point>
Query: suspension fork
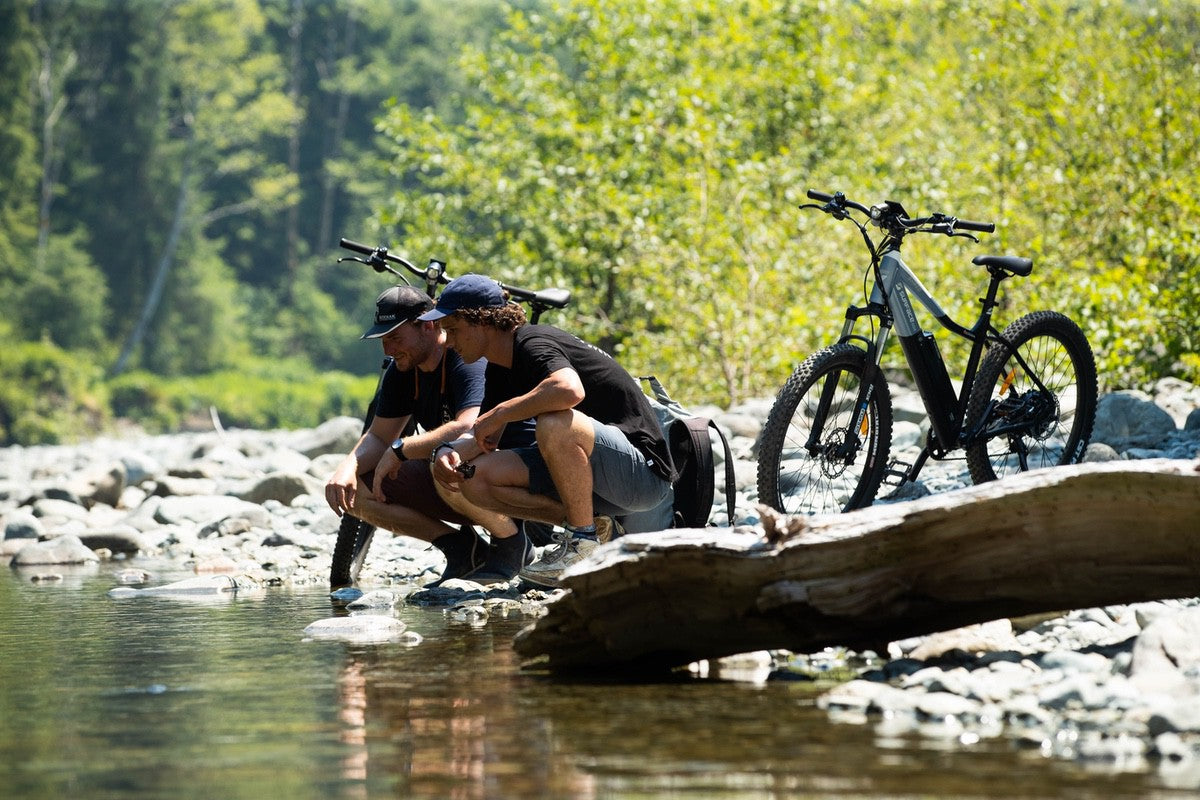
<point>852,443</point>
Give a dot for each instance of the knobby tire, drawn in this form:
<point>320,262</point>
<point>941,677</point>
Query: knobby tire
<point>1059,421</point>
<point>794,480</point>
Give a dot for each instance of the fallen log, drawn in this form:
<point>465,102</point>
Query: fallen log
<point>1050,540</point>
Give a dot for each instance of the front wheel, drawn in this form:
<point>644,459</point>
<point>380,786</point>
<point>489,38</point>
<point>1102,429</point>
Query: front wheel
<point>808,462</point>
<point>353,540</point>
<point>1036,410</point>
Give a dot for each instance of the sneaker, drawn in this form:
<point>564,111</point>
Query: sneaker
<point>505,558</point>
<point>569,550</point>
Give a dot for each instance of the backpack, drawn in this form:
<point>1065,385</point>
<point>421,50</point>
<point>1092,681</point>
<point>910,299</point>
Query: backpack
<point>690,439</point>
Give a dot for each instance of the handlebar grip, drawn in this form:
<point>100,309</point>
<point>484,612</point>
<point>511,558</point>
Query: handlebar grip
<point>983,227</point>
<point>813,194</point>
<point>356,247</point>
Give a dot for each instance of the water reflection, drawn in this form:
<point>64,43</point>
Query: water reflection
<point>157,698</point>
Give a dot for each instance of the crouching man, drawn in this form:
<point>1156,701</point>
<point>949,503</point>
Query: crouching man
<point>599,451</point>
<point>428,395</point>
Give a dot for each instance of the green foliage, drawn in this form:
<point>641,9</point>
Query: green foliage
<point>649,156</point>
<point>257,395</point>
<point>47,395</point>
<point>65,302</point>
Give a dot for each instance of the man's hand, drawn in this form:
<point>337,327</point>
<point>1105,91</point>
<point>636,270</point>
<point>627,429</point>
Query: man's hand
<point>445,469</point>
<point>341,489</point>
<point>387,467</point>
<point>488,430</point>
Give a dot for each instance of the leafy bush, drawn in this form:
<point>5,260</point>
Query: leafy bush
<point>48,395</point>
<point>258,395</point>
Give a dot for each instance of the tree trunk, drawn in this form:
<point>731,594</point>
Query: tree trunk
<point>166,259</point>
<point>1070,537</point>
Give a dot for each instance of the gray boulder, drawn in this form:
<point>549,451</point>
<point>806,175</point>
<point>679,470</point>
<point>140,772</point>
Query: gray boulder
<point>59,550</point>
<point>1130,419</point>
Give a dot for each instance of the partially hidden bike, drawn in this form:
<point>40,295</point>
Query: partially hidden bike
<point>1027,397</point>
<point>354,535</point>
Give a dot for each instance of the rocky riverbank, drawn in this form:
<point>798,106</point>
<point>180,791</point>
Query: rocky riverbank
<point>244,511</point>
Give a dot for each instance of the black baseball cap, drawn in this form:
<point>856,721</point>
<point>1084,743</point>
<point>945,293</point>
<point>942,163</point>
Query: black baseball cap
<point>396,306</point>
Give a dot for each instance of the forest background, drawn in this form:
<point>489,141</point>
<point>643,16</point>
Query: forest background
<point>175,175</point>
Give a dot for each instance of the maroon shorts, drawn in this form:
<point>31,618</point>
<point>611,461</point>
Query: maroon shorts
<point>413,488</point>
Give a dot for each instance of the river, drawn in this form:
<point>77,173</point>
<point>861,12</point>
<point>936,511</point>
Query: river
<point>170,698</point>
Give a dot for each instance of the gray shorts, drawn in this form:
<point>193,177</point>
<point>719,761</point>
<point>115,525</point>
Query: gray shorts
<point>622,481</point>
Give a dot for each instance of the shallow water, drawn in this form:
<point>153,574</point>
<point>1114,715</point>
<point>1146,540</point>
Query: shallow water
<point>156,697</point>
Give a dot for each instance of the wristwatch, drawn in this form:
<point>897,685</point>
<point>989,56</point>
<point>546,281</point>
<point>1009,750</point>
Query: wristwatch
<point>398,449</point>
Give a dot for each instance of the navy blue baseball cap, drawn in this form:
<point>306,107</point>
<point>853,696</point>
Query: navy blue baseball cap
<point>468,291</point>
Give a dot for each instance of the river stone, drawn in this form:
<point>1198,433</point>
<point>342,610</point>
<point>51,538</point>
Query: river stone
<point>204,509</point>
<point>283,487</point>
<point>360,629</point>
<point>175,486</point>
<point>1131,419</point>
<point>66,549</point>
<point>338,435</point>
<point>22,524</point>
<point>117,539</point>
<point>140,468</point>
<point>380,598</point>
<point>52,509</point>
<point>202,586</point>
<point>1166,648</point>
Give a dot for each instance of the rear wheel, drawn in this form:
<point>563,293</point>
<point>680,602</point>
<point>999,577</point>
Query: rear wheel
<point>804,465</point>
<point>1037,411</point>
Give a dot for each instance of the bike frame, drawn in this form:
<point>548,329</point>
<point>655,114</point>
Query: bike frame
<point>891,303</point>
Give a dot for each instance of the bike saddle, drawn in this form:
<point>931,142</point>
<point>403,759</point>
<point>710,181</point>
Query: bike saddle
<point>555,298</point>
<point>1014,265</point>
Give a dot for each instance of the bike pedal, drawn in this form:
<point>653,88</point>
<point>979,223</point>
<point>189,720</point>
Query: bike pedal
<point>896,473</point>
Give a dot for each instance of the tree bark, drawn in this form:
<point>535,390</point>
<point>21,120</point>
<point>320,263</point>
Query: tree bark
<point>1051,540</point>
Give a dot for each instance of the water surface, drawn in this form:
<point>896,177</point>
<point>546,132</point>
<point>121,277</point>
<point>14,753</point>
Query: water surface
<point>157,697</point>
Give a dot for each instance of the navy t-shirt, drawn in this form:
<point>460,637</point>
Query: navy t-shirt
<point>612,396</point>
<point>436,397</point>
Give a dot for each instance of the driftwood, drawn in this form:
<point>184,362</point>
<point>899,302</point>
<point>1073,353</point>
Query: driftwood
<point>1070,537</point>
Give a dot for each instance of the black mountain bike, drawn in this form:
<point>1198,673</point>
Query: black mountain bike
<point>1027,399</point>
<point>354,535</point>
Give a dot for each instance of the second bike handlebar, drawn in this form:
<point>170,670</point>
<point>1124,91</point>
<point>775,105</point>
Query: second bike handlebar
<point>837,204</point>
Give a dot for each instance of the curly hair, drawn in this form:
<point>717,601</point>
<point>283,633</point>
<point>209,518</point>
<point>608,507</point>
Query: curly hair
<point>506,318</point>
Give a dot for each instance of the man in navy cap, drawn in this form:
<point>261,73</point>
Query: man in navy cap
<point>599,454</point>
<point>428,395</point>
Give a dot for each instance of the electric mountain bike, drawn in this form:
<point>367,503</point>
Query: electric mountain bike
<point>1027,398</point>
<point>354,535</point>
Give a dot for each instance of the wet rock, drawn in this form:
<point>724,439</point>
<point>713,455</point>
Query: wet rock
<point>59,550</point>
<point>380,598</point>
<point>206,586</point>
<point>359,629</point>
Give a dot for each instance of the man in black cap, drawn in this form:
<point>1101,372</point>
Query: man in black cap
<point>599,451</point>
<point>428,396</point>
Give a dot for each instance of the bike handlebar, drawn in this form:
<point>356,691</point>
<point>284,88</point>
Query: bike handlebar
<point>547,298</point>
<point>837,204</point>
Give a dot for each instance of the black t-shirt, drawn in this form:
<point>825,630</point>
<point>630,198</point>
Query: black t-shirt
<point>611,395</point>
<point>436,397</point>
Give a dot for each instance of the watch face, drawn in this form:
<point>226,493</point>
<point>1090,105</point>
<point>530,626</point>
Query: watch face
<point>398,444</point>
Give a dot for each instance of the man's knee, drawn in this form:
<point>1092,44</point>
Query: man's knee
<point>558,429</point>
